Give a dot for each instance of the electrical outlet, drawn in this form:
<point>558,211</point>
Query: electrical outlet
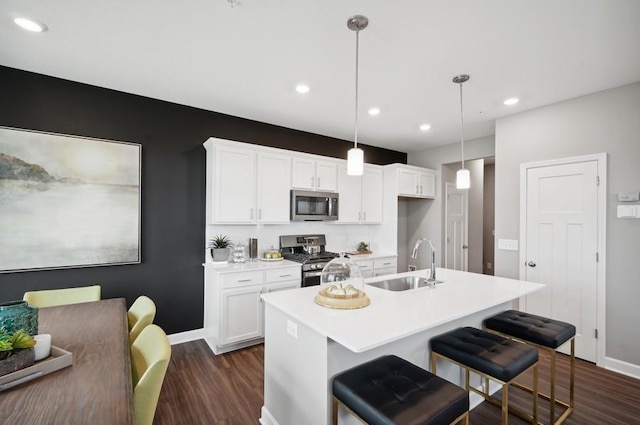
<point>412,268</point>
<point>488,266</point>
<point>292,328</point>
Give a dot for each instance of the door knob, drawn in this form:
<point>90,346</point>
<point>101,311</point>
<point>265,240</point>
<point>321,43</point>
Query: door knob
<point>531,264</point>
<point>465,246</point>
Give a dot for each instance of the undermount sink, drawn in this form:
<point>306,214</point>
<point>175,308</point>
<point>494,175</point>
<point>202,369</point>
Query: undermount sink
<point>402,283</point>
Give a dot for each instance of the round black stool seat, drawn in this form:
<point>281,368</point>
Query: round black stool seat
<point>491,354</point>
<point>529,327</point>
<point>390,390</point>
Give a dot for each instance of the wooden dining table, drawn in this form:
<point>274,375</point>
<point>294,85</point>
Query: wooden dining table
<point>97,388</point>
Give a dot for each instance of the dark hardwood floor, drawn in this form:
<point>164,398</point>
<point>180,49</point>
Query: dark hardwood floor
<point>201,388</point>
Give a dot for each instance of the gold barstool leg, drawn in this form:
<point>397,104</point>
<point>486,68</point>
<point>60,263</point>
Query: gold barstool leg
<point>334,414</point>
<point>505,406</point>
<point>572,368</point>
<point>552,394</point>
<point>535,393</point>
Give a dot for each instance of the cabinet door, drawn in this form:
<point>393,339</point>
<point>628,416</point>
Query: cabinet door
<point>349,189</point>
<point>326,176</point>
<point>241,314</point>
<point>274,182</point>
<point>371,195</point>
<point>407,182</point>
<point>427,184</point>
<point>234,192</point>
<point>303,173</point>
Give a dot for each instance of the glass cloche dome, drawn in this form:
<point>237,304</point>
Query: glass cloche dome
<point>343,276</point>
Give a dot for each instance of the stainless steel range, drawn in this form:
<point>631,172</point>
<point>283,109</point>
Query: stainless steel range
<point>308,250</point>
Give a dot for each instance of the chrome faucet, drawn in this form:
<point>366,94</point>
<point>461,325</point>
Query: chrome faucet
<point>414,254</point>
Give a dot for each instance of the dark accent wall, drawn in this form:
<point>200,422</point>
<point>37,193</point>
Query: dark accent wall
<point>173,182</point>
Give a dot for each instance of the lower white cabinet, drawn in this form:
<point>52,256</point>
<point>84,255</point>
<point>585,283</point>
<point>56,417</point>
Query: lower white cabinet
<point>372,267</point>
<point>233,309</point>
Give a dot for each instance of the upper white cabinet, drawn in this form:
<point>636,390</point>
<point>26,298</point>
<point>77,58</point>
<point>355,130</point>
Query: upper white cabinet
<point>415,181</point>
<point>247,185</point>
<point>313,174</point>
<point>360,196</point>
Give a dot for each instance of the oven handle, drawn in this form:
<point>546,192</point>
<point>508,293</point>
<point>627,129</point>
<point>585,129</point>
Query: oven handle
<point>311,274</point>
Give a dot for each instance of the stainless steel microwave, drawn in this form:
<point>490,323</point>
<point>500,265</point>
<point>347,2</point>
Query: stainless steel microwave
<point>307,205</point>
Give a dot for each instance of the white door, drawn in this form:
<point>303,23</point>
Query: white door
<point>241,314</point>
<point>326,176</point>
<point>561,246</point>
<point>457,202</point>
<point>303,173</point>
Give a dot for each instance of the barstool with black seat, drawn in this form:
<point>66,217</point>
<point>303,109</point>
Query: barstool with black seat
<point>492,357</point>
<point>543,333</point>
<point>390,390</point>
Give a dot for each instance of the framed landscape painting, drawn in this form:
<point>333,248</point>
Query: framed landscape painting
<point>67,201</point>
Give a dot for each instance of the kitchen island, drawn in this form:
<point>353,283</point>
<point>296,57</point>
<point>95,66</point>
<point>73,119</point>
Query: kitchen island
<point>307,344</point>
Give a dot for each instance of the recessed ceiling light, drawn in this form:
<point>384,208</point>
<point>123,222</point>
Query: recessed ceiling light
<point>511,101</point>
<point>302,88</point>
<point>425,127</point>
<point>32,25</point>
<point>374,111</point>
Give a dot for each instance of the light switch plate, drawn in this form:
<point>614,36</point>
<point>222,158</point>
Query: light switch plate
<point>508,244</point>
<point>628,196</point>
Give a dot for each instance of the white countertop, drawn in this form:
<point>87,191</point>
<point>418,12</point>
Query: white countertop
<point>395,315</point>
<point>249,265</point>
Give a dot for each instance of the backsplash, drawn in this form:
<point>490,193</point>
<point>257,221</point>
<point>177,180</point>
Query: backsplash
<point>340,237</point>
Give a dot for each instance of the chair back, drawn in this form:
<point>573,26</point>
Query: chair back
<point>150,354</point>
<point>140,315</point>
<point>54,297</point>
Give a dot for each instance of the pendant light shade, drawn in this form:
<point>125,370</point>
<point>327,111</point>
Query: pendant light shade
<point>463,177</point>
<point>355,162</point>
<point>355,156</point>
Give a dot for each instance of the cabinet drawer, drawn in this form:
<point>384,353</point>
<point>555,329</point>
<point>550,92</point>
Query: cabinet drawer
<point>279,275</point>
<point>365,265</point>
<point>381,263</point>
<point>234,280</point>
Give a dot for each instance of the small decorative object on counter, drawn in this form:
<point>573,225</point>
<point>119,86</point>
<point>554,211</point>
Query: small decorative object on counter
<point>341,285</point>
<point>271,254</point>
<point>239,255</point>
<point>16,351</point>
<point>363,247</point>
<point>15,315</point>
<point>220,248</point>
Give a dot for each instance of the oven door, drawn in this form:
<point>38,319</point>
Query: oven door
<point>313,206</point>
<point>311,278</point>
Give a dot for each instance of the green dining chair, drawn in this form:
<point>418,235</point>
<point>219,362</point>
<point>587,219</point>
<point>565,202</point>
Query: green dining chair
<point>140,315</point>
<point>54,297</point>
<point>150,355</point>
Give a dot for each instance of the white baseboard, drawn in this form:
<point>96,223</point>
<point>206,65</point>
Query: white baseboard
<point>629,369</point>
<point>187,336</point>
<point>267,418</point>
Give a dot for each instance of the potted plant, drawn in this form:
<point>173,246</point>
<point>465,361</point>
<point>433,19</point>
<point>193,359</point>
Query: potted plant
<point>363,247</point>
<point>220,247</point>
<point>16,351</point>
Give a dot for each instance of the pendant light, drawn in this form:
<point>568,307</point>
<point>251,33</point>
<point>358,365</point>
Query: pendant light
<point>463,177</point>
<point>355,156</point>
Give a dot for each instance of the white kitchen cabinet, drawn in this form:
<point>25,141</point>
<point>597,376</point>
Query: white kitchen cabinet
<point>360,196</point>
<point>273,188</point>
<point>233,172</point>
<point>311,174</point>
<point>416,182</point>
<point>233,309</point>
<point>385,265</point>
<point>242,314</point>
<point>366,267</point>
<point>247,185</point>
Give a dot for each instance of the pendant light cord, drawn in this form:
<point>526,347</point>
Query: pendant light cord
<point>355,139</point>
<point>461,127</point>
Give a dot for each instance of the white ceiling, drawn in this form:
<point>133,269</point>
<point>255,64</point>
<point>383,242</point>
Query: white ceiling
<point>245,60</point>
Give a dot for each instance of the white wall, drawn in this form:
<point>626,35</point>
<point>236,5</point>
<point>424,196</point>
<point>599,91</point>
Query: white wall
<point>425,219</point>
<point>607,121</point>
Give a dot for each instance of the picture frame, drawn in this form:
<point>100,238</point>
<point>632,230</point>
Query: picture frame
<point>68,201</point>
